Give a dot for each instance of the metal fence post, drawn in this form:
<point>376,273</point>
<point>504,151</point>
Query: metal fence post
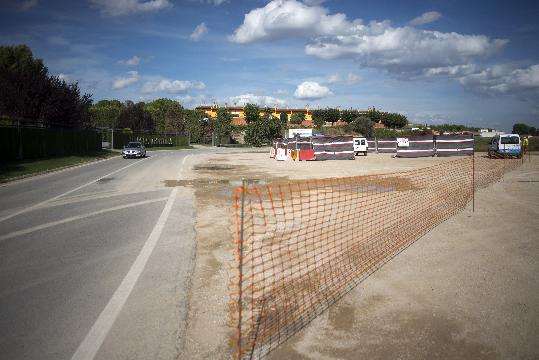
<point>473,177</point>
<point>240,268</point>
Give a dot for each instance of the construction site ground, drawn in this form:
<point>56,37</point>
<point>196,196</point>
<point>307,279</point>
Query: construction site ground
<point>465,290</point>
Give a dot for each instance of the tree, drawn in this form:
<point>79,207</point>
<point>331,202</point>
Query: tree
<point>283,117</point>
<point>393,120</point>
<point>106,113</point>
<point>136,117</point>
<point>349,115</point>
<point>262,132</point>
<point>318,118</point>
<point>363,125</point>
<point>199,129</point>
<point>297,118</point>
<point>523,129</point>
<point>28,91</point>
<point>167,115</point>
<point>252,113</point>
<point>332,115</point>
<point>222,124</point>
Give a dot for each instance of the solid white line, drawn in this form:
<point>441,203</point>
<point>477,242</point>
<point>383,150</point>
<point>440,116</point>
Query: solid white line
<point>97,334</point>
<point>74,218</point>
<point>22,211</point>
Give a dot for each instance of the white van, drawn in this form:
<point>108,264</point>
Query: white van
<point>505,145</point>
<point>361,146</point>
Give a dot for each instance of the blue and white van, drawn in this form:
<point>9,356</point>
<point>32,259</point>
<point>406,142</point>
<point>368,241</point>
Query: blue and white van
<point>505,145</point>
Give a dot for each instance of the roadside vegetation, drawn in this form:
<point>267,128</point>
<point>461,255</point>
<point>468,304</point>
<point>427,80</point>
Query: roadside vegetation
<point>16,169</point>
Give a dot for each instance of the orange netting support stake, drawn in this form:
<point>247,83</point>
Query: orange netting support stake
<point>300,246</point>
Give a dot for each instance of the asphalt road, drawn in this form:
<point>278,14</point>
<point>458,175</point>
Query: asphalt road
<point>95,261</point>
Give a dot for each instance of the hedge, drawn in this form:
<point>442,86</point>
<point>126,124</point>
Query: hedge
<point>40,143</point>
<point>150,140</point>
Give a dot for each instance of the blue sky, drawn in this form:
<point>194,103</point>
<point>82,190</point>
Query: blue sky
<point>466,62</point>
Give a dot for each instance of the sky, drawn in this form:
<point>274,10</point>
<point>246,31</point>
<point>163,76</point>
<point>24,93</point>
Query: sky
<point>468,62</point>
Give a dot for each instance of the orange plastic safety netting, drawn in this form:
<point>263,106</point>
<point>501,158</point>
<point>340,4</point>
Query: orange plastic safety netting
<point>302,245</point>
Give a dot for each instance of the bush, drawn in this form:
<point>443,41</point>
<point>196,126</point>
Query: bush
<point>363,125</point>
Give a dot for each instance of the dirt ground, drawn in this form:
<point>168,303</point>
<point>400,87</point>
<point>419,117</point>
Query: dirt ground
<point>466,290</point>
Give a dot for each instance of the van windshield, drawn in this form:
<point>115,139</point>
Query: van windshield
<point>513,140</point>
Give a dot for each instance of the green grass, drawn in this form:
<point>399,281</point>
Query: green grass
<point>481,144</point>
<point>16,169</point>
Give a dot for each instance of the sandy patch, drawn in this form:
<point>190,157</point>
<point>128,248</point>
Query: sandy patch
<point>464,290</point>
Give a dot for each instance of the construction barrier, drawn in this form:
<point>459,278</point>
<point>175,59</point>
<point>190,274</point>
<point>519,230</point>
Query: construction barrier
<point>333,147</point>
<point>386,145</point>
<point>300,246</point>
<point>299,144</point>
<point>276,144</point>
<point>454,145</point>
<point>415,146</point>
<point>372,145</point>
<point>306,155</point>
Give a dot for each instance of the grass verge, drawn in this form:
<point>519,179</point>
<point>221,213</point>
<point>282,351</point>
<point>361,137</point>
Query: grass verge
<point>17,169</point>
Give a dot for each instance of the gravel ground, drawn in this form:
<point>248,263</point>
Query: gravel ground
<point>467,289</point>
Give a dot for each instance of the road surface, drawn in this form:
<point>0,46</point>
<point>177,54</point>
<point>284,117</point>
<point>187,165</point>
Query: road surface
<point>95,261</point>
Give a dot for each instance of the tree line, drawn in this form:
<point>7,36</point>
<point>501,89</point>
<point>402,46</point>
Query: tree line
<point>523,129</point>
<point>158,116</point>
<point>333,115</point>
<point>29,92</point>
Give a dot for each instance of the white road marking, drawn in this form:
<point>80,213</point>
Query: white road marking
<point>22,211</point>
<point>99,331</point>
<point>74,218</point>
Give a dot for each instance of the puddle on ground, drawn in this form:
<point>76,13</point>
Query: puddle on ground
<point>203,182</point>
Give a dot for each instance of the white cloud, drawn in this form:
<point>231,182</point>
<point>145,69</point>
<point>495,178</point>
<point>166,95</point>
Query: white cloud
<point>172,86</point>
<point>286,18</point>
<point>260,100</point>
<point>27,5</point>
<point>311,90</point>
<point>64,77</point>
<point>400,50</point>
<point>450,71</point>
<point>502,79</point>
<point>313,2</point>
<point>135,60</point>
<point>337,78</point>
<point>122,82</point>
<point>426,18</point>
<point>192,100</point>
<point>127,7</point>
<point>213,2</point>
<point>404,49</point>
<point>200,31</point>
